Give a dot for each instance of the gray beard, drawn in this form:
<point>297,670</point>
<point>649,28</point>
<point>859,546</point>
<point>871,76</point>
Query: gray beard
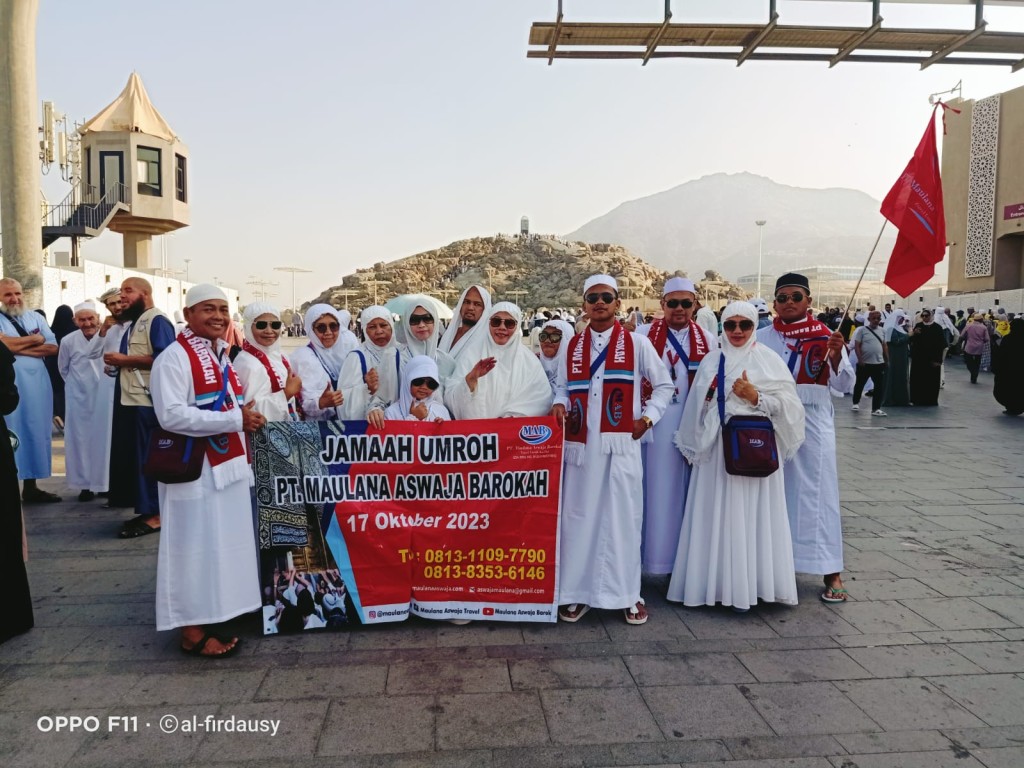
<point>14,311</point>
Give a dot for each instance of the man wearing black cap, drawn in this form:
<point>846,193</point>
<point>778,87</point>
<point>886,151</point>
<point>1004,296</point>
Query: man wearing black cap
<point>817,359</point>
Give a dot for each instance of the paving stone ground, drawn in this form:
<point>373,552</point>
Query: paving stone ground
<point>925,667</point>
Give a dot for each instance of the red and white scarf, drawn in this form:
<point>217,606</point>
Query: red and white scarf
<point>617,384</point>
<point>807,340</point>
<point>208,383</point>
<point>277,381</point>
<point>658,334</point>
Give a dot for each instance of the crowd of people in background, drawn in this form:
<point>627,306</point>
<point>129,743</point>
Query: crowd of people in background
<point>115,373</point>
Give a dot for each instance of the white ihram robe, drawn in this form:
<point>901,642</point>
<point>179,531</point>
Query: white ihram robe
<point>666,474</point>
<point>104,412</point>
<point>206,568</point>
<point>83,375</point>
<point>812,476</point>
<point>602,508</point>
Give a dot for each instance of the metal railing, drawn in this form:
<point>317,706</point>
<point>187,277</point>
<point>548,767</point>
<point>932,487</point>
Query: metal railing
<point>86,210</point>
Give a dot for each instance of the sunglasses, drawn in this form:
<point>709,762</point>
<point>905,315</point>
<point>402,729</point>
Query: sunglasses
<point>420,320</point>
<point>684,303</point>
<point>545,336</point>
<point>424,381</point>
<point>262,325</point>
<point>796,296</point>
<point>326,327</point>
<point>508,322</point>
<point>744,325</point>
<point>604,298</point>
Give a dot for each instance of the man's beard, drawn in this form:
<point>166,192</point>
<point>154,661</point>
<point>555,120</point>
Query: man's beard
<point>17,311</point>
<point>133,311</point>
<point>468,323</point>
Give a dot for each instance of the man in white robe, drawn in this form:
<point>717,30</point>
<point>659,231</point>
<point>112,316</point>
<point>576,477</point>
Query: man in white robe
<point>206,567</point>
<point>26,334</point>
<point>474,305</point>
<point>812,477</point>
<point>81,372</point>
<point>602,513</point>
<point>683,345</point>
<point>111,330</point>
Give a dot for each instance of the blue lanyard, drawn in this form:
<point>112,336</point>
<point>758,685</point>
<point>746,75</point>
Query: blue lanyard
<point>334,381</point>
<point>678,348</point>
<point>600,359</point>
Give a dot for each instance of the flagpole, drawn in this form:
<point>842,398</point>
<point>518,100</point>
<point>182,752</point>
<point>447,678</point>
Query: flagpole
<point>853,298</point>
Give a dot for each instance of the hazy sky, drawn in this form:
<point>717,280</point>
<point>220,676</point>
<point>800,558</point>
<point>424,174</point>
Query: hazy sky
<point>332,135</point>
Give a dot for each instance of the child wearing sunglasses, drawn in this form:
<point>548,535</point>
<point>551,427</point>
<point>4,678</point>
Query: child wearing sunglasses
<point>420,379</point>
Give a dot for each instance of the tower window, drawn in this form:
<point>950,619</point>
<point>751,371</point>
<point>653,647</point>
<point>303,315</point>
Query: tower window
<point>180,180</point>
<point>149,171</point>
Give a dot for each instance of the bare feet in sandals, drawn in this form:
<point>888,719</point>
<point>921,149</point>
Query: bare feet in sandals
<point>198,641</point>
<point>834,592</point>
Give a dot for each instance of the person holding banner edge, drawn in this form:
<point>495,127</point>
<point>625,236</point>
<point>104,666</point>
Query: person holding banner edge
<point>597,397</point>
<point>206,566</point>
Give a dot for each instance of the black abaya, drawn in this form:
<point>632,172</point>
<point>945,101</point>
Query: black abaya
<point>926,345</point>
<point>1008,362</point>
<point>17,600</point>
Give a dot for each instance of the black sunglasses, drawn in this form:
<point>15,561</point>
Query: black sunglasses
<point>796,296</point>
<point>420,319</point>
<point>684,303</point>
<point>424,381</point>
<point>261,325</point>
<point>555,337</point>
<point>508,322</point>
<point>325,327</point>
<point>745,325</point>
<point>604,298</point>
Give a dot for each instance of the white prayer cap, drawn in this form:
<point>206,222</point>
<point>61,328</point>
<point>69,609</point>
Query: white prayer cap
<point>203,292</point>
<point>85,306</point>
<point>679,284</point>
<point>376,312</point>
<point>110,293</point>
<point>600,280</point>
<point>257,308</point>
<point>760,305</point>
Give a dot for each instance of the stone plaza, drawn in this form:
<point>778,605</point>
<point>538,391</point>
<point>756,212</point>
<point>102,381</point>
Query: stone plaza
<point>923,667</point>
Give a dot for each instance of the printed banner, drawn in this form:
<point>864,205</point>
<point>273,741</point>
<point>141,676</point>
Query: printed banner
<point>457,520</point>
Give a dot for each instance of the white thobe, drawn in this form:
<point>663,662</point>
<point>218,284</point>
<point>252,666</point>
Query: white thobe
<point>82,372</point>
<point>206,568</point>
<point>32,420</point>
<point>104,409</point>
<point>256,385</point>
<point>812,476</point>
<point>602,512</point>
<point>666,473</point>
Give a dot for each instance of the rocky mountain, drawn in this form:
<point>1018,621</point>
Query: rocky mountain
<point>531,271</point>
<point>709,222</point>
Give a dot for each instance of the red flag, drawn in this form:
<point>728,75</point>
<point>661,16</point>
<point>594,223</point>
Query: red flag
<point>914,206</point>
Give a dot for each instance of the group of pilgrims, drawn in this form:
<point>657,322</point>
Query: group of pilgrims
<point>645,489</point>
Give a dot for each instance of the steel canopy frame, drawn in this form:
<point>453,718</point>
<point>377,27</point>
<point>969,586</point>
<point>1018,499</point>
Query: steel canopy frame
<point>743,42</point>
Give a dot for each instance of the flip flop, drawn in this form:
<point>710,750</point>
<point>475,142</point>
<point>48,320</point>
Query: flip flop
<point>636,614</point>
<point>833,595</point>
<point>135,528</point>
<point>197,649</point>
<point>573,612</point>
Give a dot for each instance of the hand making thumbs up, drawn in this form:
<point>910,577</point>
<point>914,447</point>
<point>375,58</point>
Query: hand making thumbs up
<point>330,398</point>
<point>745,390</point>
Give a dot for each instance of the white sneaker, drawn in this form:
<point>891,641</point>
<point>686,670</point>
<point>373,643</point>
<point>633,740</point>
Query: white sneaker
<point>855,407</point>
<point>879,412</point>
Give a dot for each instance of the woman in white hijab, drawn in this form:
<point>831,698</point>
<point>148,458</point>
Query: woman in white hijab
<point>735,544</point>
<point>266,376</point>
<point>897,378</point>
<point>554,339</point>
<point>499,376</point>
<point>318,363</point>
<point>422,332</point>
<point>360,373</point>
<point>347,341</point>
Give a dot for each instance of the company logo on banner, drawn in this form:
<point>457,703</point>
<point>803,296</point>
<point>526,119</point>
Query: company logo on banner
<point>454,520</point>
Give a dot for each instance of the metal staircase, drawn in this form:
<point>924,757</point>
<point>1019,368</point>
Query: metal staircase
<point>85,215</point>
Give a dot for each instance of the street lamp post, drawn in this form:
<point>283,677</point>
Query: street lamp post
<point>760,241</point>
<point>293,270</point>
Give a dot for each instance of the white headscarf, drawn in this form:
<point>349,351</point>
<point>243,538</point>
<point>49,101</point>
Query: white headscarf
<point>706,319</point>
<point>895,323</point>
<point>376,312</point>
<point>517,386</point>
<point>418,367</point>
<point>252,311</point>
<point>700,426</point>
<point>550,365</point>
<point>416,347</point>
<point>944,321</point>
<point>465,342</point>
<point>332,357</point>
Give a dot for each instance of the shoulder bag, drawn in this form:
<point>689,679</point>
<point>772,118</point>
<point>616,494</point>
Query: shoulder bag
<point>748,442</point>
